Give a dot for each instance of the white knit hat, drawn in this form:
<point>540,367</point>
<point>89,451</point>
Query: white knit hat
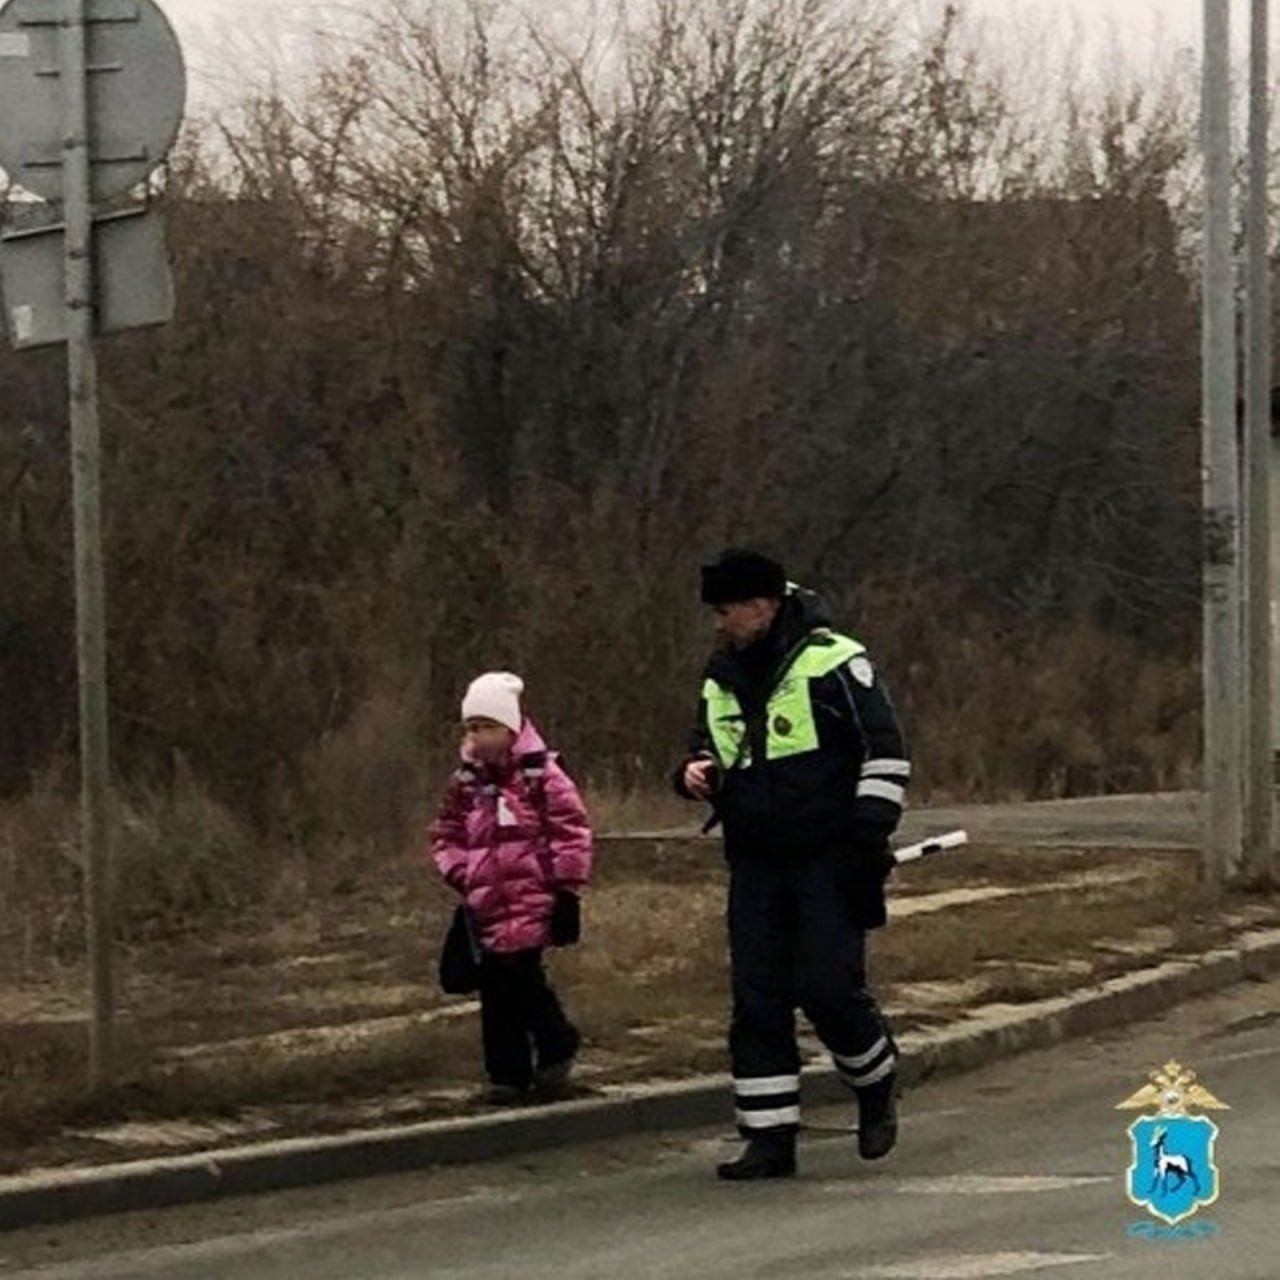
<point>495,696</point>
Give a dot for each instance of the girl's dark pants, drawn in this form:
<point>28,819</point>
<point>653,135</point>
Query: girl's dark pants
<point>520,1017</point>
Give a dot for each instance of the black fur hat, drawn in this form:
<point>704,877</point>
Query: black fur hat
<point>740,574</point>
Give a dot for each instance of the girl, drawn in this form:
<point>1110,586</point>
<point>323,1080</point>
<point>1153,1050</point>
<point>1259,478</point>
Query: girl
<point>513,838</point>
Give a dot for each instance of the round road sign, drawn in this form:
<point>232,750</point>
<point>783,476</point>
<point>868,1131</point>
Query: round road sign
<point>137,88</point>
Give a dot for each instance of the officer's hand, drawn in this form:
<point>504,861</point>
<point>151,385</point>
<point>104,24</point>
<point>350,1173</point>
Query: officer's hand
<point>699,778</point>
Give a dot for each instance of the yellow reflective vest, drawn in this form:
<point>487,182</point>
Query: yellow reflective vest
<point>791,728</point>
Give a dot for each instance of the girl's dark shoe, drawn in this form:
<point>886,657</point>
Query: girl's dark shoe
<point>771,1155</point>
<point>553,1081</point>
<point>555,1063</point>
<point>505,1095</point>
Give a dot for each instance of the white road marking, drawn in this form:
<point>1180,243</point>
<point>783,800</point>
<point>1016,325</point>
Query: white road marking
<point>973,1266</point>
<point>962,1184</point>
<point>161,1259</point>
<point>1244,1055</point>
<point>940,900</point>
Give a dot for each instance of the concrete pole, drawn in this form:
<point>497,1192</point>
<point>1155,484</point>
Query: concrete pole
<point>1259,815</point>
<point>1222,660</point>
<point>90,593</point>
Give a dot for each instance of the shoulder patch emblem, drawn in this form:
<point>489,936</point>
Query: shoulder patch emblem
<point>862,672</point>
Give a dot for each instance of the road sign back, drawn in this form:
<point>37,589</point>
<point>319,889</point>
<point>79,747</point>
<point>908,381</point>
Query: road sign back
<point>133,285</point>
<point>137,91</point>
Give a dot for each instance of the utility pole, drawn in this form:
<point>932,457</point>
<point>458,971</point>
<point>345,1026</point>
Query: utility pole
<point>95,768</point>
<point>1222,669</point>
<point>1260,812</point>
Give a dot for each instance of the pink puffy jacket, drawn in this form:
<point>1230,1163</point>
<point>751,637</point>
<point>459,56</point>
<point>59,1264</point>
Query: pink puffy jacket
<point>508,839</point>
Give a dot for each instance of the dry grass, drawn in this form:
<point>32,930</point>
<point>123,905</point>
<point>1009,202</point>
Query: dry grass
<point>656,949</point>
<point>620,810</point>
<point>227,943</point>
<point>1050,927</point>
<point>648,985</point>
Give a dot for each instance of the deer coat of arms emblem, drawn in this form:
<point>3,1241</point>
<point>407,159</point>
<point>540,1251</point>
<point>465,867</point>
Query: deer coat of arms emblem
<point>1173,1174</point>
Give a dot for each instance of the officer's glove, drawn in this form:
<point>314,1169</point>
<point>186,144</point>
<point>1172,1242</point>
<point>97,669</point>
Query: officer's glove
<point>867,866</point>
<point>872,858</point>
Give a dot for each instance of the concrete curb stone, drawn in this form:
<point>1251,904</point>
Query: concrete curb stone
<point>985,1035</point>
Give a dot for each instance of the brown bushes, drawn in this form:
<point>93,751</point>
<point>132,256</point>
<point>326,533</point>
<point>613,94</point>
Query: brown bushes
<point>479,351</point>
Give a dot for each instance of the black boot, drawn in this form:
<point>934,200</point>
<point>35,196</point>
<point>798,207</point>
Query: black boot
<point>767,1155</point>
<point>878,1118</point>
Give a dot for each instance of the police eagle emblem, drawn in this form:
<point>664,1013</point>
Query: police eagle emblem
<point>1173,1173</point>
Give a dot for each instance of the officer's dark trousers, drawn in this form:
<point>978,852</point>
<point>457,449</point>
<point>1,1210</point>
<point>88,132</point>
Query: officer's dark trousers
<point>520,1013</point>
<point>793,942</point>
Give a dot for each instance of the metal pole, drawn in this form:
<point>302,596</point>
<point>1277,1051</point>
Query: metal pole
<point>90,594</point>
<point>1222,675</point>
<point>1259,817</point>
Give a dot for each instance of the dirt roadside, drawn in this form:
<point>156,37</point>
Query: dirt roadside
<point>329,1019</point>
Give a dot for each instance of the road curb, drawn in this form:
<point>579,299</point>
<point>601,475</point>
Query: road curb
<point>989,1033</point>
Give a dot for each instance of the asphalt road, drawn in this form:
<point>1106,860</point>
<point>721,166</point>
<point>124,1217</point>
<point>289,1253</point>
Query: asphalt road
<point>1017,1169</point>
<point>1164,820</point>
<point>1155,820</point>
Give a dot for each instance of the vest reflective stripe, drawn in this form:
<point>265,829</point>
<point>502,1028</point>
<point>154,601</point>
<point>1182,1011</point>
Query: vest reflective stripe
<point>792,729</point>
<point>726,725</point>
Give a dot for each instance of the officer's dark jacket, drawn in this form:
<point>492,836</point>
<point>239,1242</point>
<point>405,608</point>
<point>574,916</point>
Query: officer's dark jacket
<point>848,791</point>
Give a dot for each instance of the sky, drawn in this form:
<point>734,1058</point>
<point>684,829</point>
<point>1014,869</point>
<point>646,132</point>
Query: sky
<point>1135,22</point>
<point>224,38</point>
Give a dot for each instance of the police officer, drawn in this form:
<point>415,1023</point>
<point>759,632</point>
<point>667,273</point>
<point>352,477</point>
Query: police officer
<point>798,749</point>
